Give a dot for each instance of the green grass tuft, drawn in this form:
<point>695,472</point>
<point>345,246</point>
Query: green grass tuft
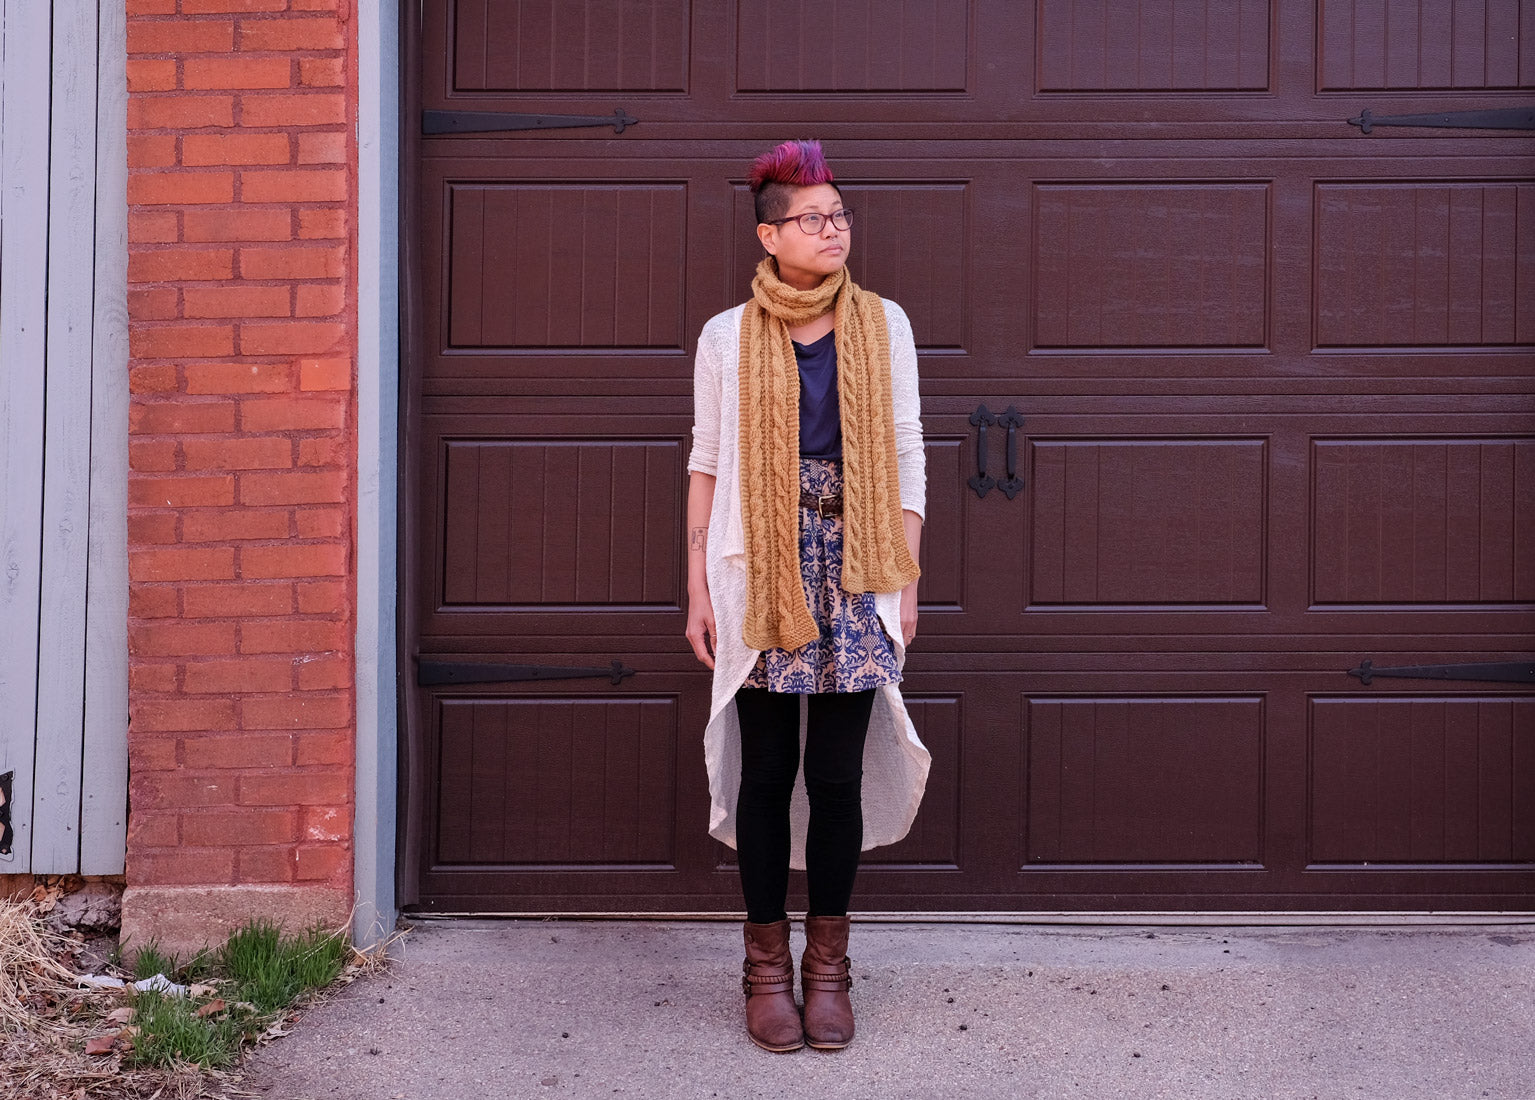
<point>170,1031</point>
<point>149,960</point>
<point>259,967</point>
<point>270,970</point>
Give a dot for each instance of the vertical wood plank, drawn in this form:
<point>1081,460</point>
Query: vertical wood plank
<point>487,764</point>
<point>464,292</point>
<point>66,440</point>
<point>104,801</point>
<point>488,568</point>
<point>24,212</point>
<point>455,781</point>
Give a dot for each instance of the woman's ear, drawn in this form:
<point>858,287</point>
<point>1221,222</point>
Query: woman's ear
<point>768,235</point>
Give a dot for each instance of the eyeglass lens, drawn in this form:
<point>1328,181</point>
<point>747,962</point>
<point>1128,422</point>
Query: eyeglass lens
<point>812,223</point>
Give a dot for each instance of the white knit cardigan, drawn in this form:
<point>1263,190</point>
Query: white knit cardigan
<point>895,762</point>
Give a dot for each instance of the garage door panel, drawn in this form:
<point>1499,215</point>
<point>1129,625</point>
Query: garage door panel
<point>1140,522</point>
<point>1144,780</point>
<point>570,45</point>
<point>1431,44</point>
<point>1422,780</point>
<point>1155,46</point>
<point>900,47</point>
<point>531,276</point>
<point>535,522</point>
<point>1424,521</point>
<point>578,265</point>
<point>1148,265</point>
<point>1424,264</point>
<point>564,781</point>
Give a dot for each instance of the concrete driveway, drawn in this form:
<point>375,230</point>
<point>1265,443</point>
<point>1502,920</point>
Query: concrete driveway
<point>481,1010</point>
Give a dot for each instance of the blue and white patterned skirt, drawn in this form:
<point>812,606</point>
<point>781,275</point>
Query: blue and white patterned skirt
<point>853,652</point>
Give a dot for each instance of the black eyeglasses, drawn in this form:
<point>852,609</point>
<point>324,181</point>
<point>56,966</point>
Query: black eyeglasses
<point>812,223</point>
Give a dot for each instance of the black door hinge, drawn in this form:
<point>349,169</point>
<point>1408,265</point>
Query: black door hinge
<point>490,122</point>
<point>1503,118</point>
<point>434,673</point>
<point>1509,672</point>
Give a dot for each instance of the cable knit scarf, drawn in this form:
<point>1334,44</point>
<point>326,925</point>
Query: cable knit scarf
<point>875,555</point>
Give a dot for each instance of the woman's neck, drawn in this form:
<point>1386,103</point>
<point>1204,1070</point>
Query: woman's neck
<point>812,331</point>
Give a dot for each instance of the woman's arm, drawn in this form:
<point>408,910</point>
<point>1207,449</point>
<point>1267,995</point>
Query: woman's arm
<point>906,403</point>
<point>703,463</point>
<point>913,524</point>
<point>910,455</point>
<point>700,631</point>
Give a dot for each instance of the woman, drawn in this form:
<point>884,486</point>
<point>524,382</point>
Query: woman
<point>804,514</point>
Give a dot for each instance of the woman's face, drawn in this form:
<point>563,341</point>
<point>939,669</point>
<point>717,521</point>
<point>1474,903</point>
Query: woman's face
<point>804,259</point>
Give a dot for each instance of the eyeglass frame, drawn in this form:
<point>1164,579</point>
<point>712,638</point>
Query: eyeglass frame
<point>798,220</point>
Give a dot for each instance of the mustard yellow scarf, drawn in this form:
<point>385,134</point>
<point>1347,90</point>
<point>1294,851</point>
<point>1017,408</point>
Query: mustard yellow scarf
<point>875,555</point>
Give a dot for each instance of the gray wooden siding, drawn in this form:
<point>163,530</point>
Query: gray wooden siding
<point>64,451</point>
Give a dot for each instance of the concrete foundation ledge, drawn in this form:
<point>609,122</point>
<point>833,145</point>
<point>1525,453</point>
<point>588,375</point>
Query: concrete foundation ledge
<point>183,919</point>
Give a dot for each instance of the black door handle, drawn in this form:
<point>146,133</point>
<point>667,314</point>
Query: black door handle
<point>1012,420</point>
<point>981,483</point>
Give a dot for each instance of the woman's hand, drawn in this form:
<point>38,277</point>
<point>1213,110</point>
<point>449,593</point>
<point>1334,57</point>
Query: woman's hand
<point>700,632</point>
<point>908,613</point>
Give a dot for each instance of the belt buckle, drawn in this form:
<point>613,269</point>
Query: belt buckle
<point>820,503</point>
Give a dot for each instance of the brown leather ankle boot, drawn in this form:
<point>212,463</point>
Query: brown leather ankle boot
<point>772,1019</point>
<point>826,976</point>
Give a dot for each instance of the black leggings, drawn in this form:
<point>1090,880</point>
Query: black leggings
<point>834,740</point>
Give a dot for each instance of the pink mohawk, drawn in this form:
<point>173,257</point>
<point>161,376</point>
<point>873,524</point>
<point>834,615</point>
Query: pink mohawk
<point>795,163</point>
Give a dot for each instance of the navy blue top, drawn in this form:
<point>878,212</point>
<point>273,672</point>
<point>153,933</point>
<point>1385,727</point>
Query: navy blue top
<point>820,413</point>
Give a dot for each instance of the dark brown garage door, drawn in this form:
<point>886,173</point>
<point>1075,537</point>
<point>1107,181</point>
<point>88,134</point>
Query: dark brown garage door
<point>1257,411</point>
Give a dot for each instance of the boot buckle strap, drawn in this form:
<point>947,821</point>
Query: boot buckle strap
<point>828,981</point>
<point>758,984</point>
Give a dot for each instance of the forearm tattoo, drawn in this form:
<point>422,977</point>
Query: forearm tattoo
<point>698,539</point>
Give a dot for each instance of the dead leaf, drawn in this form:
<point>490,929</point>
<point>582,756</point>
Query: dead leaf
<point>120,1015</point>
<point>199,989</point>
<point>100,1044</point>
<point>215,1005</point>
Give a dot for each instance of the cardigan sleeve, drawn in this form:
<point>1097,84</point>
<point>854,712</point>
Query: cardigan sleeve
<point>707,364</point>
<point>906,401</point>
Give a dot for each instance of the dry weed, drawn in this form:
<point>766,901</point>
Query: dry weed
<point>45,1019</point>
<point>32,974</point>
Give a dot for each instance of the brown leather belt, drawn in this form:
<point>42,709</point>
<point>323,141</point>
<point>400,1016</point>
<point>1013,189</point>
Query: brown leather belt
<point>822,506</point>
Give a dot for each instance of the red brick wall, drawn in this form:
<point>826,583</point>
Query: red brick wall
<point>242,302</point>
